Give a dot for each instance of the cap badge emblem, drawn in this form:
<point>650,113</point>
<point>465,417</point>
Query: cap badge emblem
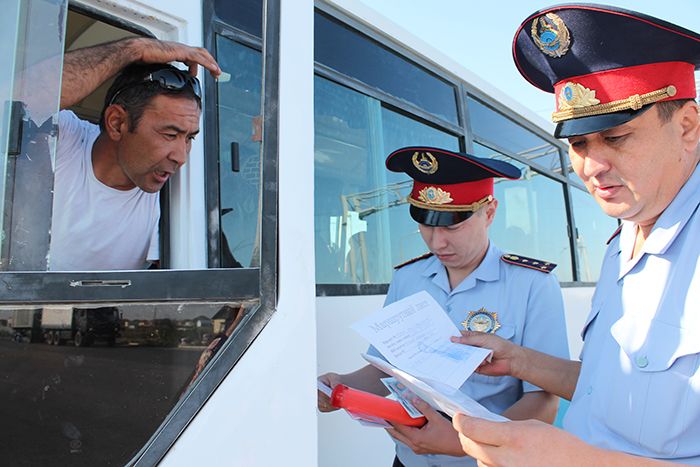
<point>551,35</point>
<point>575,95</point>
<point>425,162</point>
<point>482,321</point>
<point>434,195</point>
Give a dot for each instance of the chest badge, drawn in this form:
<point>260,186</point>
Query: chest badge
<point>482,321</point>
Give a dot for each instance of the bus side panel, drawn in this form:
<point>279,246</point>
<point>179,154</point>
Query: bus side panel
<point>343,442</point>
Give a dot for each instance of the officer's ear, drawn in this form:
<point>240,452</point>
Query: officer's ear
<point>116,122</point>
<point>689,119</point>
<point>491,211</point>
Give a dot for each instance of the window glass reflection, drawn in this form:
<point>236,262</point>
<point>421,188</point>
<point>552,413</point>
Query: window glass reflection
<point>362,226</point>
<point>531,217</point>
<point>354,54</point>
<point>240,129</point>
<point>242,14</point>
<point>594,228</point>
<point>94,382</point>
<point>492,126</point>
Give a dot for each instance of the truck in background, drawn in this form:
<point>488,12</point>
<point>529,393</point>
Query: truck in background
<point>56,324</point>
<point>26,323</point>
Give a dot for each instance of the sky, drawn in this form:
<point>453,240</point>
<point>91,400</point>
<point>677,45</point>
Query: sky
<point>478,34</point>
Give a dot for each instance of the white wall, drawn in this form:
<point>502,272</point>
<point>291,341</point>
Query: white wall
<point>342,442</point>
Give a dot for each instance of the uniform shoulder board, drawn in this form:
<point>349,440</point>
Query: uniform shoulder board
<point>413,260</point>
<point>531,263</point>
<point>615,234</point>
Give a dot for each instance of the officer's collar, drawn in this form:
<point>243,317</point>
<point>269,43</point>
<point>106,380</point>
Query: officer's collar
<point>487,271</point>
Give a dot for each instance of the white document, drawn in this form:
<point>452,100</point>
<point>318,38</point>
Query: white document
<point>439,396</point>
<point>414,334</point>
<point>323,387</point>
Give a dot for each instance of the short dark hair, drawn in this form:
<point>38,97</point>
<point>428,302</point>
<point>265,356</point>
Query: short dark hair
<point>135,93</point>
<point>666,109</point>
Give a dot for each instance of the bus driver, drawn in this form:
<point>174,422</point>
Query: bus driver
<point>107,177</point>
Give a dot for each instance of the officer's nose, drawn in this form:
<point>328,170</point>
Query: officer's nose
<point>595,163</point>
<point>438,238</point>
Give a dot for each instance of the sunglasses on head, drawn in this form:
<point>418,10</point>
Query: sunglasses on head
<point>170,79</point>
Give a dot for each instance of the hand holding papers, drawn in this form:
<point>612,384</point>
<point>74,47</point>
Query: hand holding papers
<point>414,334</point>
<point>439,396</point>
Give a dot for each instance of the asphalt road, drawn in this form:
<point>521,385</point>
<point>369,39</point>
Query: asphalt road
<point>88,406</point>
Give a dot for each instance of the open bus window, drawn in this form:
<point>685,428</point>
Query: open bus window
<point>41,213</point>
<point>182,230</point>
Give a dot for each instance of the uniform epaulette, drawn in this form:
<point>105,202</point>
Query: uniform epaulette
<point>531,263</point>
<point>615,234</point>
<point>413,260</point>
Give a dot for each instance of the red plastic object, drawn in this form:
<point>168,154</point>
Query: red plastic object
<point>361,402</point>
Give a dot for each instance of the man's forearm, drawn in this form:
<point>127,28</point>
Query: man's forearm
<point>84,70</point>
<point>554,375</point>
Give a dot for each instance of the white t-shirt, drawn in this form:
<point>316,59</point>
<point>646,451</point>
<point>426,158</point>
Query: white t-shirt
<point>96,227</point>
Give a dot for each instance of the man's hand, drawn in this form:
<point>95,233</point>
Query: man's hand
<point>435,437</point>
<point>508,358</point>
<point>155,51</point>
<point>324,402</point>
<point>84,70</point>
<point>555,375</point>
<point>527,443</point>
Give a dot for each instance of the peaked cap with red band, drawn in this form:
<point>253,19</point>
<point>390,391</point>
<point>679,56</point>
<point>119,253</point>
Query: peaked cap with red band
<point>448,187</point>
<point>605,65</point>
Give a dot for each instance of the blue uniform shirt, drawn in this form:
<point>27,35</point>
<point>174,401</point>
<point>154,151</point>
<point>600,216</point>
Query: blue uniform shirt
<point>530,310</point>
<point>639,387</point>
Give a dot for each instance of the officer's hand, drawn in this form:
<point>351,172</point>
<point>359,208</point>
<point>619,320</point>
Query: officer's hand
<point>528,443</point>
<point>435,437</point>
<point>156,51</point>
<point>508,358</point>
<point>324,402</point>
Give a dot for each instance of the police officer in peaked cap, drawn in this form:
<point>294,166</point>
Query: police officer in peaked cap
<point>624,88</point>
<point>480,288</point>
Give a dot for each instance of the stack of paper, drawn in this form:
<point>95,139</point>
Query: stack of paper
<point>413,335</point>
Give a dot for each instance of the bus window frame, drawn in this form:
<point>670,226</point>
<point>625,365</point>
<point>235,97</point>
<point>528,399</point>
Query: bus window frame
<point>165,285</point>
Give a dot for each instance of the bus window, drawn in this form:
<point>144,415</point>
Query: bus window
<point>239,125</point>
<point>593,229</point>
<point>362,226</point>
<point>490,125</point>
<point>531,218</point>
